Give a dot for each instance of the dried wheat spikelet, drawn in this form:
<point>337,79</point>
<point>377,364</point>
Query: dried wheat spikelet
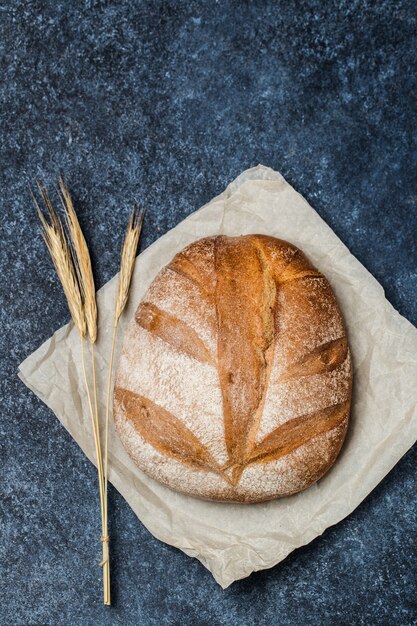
<point>127,261</point>
<point>82,261</point>
<point>57,244</point>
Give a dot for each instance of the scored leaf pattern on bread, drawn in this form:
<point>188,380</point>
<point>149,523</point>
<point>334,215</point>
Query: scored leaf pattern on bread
<point>165,432</point>
<point>287,437</point>
<point>298,267</point>
<point>324,358</point>
<point>248,282</point>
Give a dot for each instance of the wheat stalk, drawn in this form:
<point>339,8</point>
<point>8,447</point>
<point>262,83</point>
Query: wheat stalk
<point>127,264</point>
<point>84,270</point>
<point>74,270</point>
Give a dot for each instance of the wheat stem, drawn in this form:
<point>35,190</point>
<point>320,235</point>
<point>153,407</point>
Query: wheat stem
<point>105,563</point>
<point>127,263</point>
<point>95,433</point>
<point>109,379</point>
<point>97,424</point>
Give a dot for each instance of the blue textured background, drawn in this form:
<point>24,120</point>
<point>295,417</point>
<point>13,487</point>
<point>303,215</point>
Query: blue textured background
<point>166,102</point>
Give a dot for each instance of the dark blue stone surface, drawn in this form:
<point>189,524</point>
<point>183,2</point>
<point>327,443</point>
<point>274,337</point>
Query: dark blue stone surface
<point>166,102</point>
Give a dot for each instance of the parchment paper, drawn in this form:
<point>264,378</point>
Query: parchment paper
<point>230,541</point>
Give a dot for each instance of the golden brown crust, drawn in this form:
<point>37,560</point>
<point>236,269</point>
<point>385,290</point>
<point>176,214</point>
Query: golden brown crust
<point>245,287</point>
<point>260,317</point>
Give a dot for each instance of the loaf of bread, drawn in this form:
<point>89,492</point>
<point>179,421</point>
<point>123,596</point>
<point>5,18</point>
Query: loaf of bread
<point>234,381</point>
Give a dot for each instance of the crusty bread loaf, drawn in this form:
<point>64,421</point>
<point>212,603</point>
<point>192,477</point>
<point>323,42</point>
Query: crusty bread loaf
<point>234,381</point>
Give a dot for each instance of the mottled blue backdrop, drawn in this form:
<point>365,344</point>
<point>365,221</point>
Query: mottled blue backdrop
<point>166,102</point>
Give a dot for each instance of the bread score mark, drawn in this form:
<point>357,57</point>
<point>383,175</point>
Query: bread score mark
<point>173,331</point>
<point>299,267</point>
<point>165,432</point>
<point>324,358</point>
<point>293,434</point>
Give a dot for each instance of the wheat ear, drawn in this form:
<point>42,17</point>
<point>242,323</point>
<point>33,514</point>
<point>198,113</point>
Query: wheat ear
<point>84,270</point>
<point>127,264</point>
<point>57,244</point>
<point>82,261</point>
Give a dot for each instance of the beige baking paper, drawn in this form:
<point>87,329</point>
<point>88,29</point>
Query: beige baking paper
<point>230,541</point>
